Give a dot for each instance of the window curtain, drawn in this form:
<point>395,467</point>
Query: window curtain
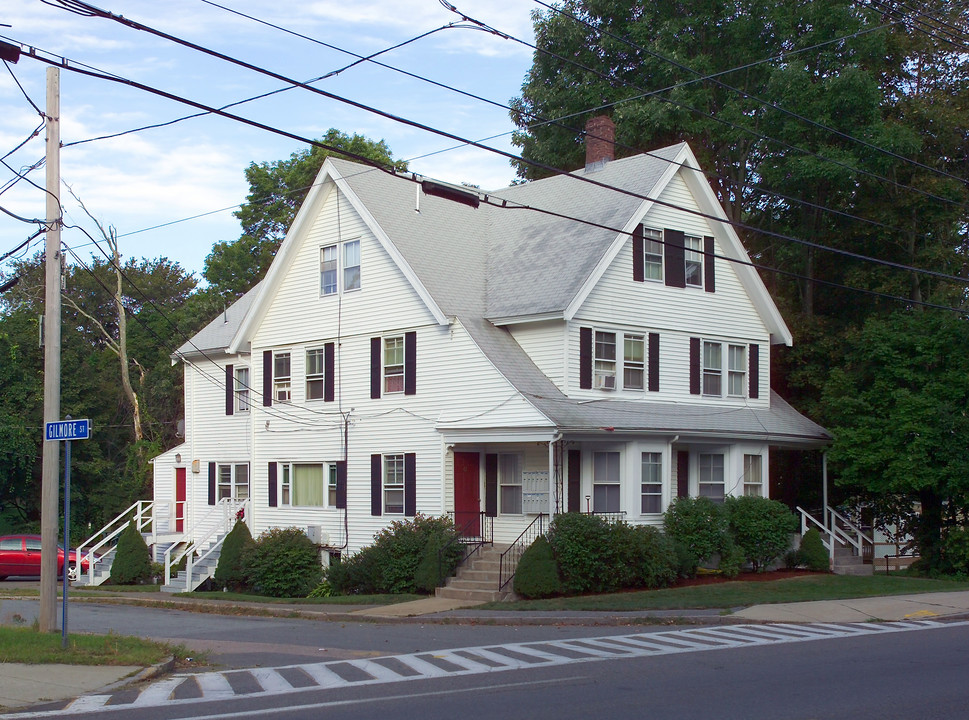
<point>308,485</point>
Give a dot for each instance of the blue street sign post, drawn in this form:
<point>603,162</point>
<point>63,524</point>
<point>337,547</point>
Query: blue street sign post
<point>65,431</point>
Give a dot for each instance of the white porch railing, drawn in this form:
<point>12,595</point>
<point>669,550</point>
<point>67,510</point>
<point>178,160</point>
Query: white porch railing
<point>836,530</point>
<point>141,511</point>
<point>217,521</point>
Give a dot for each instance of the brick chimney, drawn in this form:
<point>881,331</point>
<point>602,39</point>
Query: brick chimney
<point>600,141</point>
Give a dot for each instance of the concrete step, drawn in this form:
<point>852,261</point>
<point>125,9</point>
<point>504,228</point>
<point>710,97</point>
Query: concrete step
<point>475,574</point>
<point>463,594</point>
<point>857,570</point>
<point>459,583</point>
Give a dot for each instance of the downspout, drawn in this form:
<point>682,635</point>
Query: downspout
<point>553,498</point>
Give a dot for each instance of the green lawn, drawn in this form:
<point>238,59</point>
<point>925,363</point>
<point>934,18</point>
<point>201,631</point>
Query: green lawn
<point>742,593</point>
<point>27,645</point>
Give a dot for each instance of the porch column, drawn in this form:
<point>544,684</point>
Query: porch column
<point>824,488</point>
<point>553,498</point>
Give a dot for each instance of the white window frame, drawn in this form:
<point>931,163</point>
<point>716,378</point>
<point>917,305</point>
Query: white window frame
<point>340,267</point>
<point>736,370</point>
<point>712,369</point>
<point>754,475</point>
<point>315,376</point>
<point>283,383</point>
<point>611,488</point>
<point>232,481</point>
<point>241,390</point>
<point>331,484</point>
<point>603,365</point>
<point>393,372</point>
<point>634,366</point>
<point>711,474</point>
<point>287,483</point>
<point>393,484</point>
<point>510,484</point>
<point>653,254</point>
<point>693,261</point>
<point>651,482</point>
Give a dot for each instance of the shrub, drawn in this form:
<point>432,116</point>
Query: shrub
<point>357,574</point>
<point>230,572</point>
<point>686,560</point>
<point>698,523</point>
<point>732,558</point>
<point>955,552</point>
<point>537,574</point>
<point>762,527</point>
<point>579,543</point>
<point>813,554</point>
<point>283,562</point>
<point>132,561</point>
<point>651,557</point>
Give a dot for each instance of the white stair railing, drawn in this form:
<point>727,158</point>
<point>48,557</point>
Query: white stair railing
<point>217,521</point>
<point>836,530</point>
<point>141,511</point>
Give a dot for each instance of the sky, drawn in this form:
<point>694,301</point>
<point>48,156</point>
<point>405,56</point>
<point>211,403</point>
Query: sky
<point>144,183</point>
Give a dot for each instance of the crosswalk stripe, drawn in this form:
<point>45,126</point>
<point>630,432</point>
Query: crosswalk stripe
<point>323,676</point>
<point>270,680</point>
<point>214,685</point>
<point>422,666</point>
<point>377,671</point>
<point>158,692</point>
<point>89,702</point>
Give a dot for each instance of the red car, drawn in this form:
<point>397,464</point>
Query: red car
<point>20,556</point>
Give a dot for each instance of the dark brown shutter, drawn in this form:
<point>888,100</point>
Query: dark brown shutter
<point>639,270</point>
<point>491,485</point>
<point>376,485</point>
<point>341,484</point>
<point>709,267</point>
<point>675,258</point>
<point>694,366</point>
<point>575,488</point>
<point>754,375</point>
<point>410,484</point>
<point>329,374</point>
<point>375,365</point>
<point>585,358</point>
<point>653,349</point>
<point>229,380</point>
<point>267,378</point>
<point>211,483</point>
<point>682,473</point>
<point>410,363</point>
<point>273,502</point>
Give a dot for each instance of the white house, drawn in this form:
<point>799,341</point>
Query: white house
<point>596,341</point>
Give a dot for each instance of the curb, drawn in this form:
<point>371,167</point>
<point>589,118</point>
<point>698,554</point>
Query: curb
<point>148,673</point>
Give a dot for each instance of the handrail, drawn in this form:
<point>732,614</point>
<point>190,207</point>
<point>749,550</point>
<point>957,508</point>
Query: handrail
<point>230,509</point>
<point>142,516</point>
<point>835,533</point>
<point>517,548</point>
<point>474,542</point>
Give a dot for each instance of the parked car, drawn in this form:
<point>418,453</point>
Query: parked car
<point>20,556</point>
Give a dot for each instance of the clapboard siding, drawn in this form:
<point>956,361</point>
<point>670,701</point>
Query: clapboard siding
<point>545,343</point>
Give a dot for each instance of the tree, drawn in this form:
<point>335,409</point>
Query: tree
<point>898,411</point>
<point>276,192</point>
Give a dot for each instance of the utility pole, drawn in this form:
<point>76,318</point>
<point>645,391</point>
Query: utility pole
<point>50,479</point>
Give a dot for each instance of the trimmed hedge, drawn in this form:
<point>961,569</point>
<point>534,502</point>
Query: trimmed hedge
<point>813,553</point>
<point>761,527</point>
<point>230,572</point>
<point>699,524</point>
<point>132,561</point>
<point>283,562</point>
<point>537,575</point>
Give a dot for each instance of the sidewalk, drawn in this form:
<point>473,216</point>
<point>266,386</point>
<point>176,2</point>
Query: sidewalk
<point>23,685</point>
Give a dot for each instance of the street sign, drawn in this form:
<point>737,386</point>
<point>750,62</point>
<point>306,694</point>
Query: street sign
<point>68,430</point>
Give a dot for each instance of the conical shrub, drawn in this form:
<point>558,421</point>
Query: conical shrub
<point>132,561</point>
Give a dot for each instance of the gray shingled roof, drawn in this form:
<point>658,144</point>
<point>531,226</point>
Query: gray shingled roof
<point>218,334</point>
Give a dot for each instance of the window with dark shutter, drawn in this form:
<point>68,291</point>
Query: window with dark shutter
<point>585,358</point>
<point>639,254</point>
<point>341,484</point>
<point>653,350</point>
<point>329,377</point>
<point>675,258</point>
<point>376,484</point>
<point>694,366</point>
<point>410,363</point>
<point>211,483</point>
<point>267,378</point>
<point>229,387</point>
<point>410,484</point>
<point>273,469</point>
<point>754,374</point>
<point>375,367</point>
<point>709,266</point>
<point>491,485</point>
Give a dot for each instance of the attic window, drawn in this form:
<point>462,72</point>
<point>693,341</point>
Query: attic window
<point>449,192</point>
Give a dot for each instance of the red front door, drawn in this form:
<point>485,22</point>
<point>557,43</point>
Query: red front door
<point>179,499</point>
<point>467,493</point>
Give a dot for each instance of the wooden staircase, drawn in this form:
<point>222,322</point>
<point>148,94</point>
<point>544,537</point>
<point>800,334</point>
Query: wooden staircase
<point>478,578</point>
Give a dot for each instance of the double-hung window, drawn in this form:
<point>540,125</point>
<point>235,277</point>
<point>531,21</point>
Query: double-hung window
<point>712,368</point>
<point>753,475</point>
<point>314,374</point>
<point>605,482</point>
<point>240,389</point>
<point>693,258</point>
<point>331,477</point>
<point>634,362</point>
<point>282,377</point>
<point>736,370</point>
<point>394,364</point>
<point>394,484</point>
<point>302,484</point>
<point>509,485</point>
<point>653,250</point>
<point>333,259</point>
<point>652,483</point>
<point>233,481</point>
<point>605,361</point>
<point>710,476</point>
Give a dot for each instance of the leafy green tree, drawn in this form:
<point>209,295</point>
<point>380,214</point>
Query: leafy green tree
<point>276,192</point>
<point>897,408</point>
